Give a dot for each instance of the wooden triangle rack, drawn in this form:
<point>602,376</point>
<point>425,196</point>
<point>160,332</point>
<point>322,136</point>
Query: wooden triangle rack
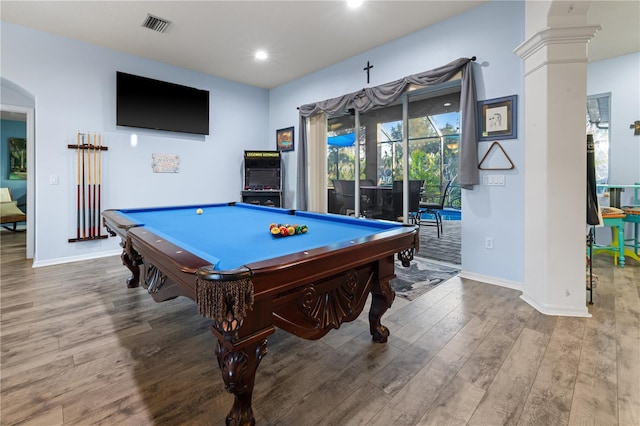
<point>496,143</point>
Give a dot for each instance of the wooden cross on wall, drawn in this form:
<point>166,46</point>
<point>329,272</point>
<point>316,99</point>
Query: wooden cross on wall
<point>367,69</point>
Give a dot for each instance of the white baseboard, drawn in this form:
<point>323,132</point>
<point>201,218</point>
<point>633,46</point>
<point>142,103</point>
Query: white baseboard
<point>565,311</point>
<point>61,260</point>
<point>491,280</point>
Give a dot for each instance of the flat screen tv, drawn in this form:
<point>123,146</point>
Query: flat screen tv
<point>153,104</point>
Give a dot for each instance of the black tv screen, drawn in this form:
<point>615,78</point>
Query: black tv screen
<point>263,178</point>
<point>154,104</point>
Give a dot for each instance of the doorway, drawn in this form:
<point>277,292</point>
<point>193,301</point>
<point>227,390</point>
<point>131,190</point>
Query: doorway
<point>18,125</point>
<point>371,146</point>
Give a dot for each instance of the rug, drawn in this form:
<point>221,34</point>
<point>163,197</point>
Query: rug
<point>420,277</point>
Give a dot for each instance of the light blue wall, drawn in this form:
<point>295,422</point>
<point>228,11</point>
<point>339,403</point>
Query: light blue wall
<point>73,85</point>
<point>11,129</point>
<point>489,32</point>
<point>621,77</point>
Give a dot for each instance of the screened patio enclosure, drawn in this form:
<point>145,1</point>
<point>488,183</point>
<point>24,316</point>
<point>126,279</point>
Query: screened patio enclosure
<point>433,139</point>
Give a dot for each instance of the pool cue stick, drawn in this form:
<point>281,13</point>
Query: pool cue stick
<point>78,187</point>
<point>98,177</point>
<point>96,218</point>
<point>92,187</point>
<point>84,199</point>
<point>89,210</point>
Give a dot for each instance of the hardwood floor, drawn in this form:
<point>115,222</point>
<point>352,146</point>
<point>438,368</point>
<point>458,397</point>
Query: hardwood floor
<point>79,348</point>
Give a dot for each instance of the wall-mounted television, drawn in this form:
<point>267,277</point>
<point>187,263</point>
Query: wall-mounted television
<point>153,104</point>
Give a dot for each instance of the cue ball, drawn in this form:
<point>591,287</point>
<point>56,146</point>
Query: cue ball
<point>199,211</point>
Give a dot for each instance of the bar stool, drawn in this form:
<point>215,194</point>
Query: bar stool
<point>632,212</point>
<point>613,217</point>
<point>632,215</point>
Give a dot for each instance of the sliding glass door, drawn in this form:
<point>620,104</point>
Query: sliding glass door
<point>434,140</point>
<point>433,134</point>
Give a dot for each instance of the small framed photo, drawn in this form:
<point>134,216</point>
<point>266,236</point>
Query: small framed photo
<point>285,139</point>
<point>498,118</point>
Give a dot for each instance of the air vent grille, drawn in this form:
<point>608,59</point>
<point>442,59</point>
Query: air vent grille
<point>156,24</point>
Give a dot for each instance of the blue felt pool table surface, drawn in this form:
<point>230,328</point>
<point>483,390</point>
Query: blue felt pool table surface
<point>230,236</point>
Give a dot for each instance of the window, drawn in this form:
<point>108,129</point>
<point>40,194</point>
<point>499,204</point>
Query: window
<point>598,113</point>
<point>433,141</point>
<point>389,152</point>
<point>341,153</point>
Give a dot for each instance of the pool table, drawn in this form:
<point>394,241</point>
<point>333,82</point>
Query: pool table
<point>247,281</point>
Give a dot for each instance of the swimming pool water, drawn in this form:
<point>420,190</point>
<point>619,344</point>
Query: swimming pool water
<point>447,214</point>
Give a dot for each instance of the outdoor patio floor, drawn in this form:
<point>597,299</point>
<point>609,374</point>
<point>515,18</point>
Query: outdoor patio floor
<point>444,249</point>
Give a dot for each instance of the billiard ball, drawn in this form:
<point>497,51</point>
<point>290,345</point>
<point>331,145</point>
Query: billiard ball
<point>199,211</point>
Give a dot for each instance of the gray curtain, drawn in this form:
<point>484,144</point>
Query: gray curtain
<point>371,97</point>
<point>302,179</point>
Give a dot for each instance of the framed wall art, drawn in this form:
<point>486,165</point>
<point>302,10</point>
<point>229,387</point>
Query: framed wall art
<point>165,163</point>
<point>497,118</point>
<point>285,139</point>
<point>17,158</point>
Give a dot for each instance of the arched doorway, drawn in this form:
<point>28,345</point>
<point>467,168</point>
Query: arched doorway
<point>19,105</point>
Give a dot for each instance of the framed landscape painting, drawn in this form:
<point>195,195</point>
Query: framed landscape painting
<point>284,139</point>
<point>17,159</point>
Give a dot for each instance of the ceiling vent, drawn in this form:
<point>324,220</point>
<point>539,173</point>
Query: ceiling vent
<point>156,24</point>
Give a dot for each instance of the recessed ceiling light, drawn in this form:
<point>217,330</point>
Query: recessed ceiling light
<point>354,3</point>
<point>261,55</point>
<point>447,104</point>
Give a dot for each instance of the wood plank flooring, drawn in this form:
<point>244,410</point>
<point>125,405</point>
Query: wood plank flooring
<point>79,348</point>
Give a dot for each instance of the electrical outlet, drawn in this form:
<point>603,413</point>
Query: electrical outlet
<point>488,243</point>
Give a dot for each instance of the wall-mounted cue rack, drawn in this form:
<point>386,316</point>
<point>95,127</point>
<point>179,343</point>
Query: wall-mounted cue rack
<point>88,157</point>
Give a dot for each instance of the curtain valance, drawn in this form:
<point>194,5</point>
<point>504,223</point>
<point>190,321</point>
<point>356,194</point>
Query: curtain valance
<point>371,97</point>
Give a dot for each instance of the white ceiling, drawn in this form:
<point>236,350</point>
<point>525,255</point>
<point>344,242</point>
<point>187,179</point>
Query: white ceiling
<point>303,36</point>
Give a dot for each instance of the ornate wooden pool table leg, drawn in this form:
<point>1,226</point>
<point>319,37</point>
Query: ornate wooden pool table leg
<point>381,299</point>
<point>238,369</point>
<point>132,260</point>
<point>229,301</point>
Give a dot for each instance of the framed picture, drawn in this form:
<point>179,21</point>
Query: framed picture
<point>165,163</point>
<point>17,159</point>
<point>284,139</point>
<point>497,118</point>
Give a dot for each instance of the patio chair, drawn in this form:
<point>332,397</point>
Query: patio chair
<point>435,210</point>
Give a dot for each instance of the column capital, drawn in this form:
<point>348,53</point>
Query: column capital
<point>563,35</point>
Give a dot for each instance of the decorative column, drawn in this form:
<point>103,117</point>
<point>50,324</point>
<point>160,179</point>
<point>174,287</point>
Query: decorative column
<point>555,98</point>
